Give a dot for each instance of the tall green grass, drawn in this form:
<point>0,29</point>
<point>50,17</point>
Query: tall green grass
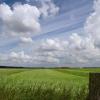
<point>44,84</point>
<point>42,91</point>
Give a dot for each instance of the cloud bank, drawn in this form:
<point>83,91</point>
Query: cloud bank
<point>76,50</point>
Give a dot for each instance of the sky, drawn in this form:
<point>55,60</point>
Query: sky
<point>50,33</point>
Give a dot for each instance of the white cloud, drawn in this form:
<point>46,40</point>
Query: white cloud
<point>50,44</point>
<point>21,20</point>
<point>76,50</point>
<point>15,59</point>
<point>48,8</point>
<point>92,26</point>
<point>19,57</point>
<point>26,40</point>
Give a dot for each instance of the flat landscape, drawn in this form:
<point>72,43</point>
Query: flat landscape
<point>44,84</point>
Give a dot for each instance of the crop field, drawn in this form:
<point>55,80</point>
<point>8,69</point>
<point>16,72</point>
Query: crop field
<point>44,84</point>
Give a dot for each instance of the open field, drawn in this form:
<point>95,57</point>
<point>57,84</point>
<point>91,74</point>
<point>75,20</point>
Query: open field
<point>44,84</point>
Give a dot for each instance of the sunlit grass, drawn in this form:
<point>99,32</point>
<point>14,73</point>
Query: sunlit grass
<point>44,84</point>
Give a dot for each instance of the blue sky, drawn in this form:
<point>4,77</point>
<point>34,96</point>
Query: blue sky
<point>48,32</point>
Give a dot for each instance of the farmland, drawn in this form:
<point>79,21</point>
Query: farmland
<point>44,84</point>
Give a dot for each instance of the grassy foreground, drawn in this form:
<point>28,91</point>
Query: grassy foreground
<point>44,84</point>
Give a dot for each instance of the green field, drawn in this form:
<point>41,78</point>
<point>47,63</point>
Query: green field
<point>44,84</point>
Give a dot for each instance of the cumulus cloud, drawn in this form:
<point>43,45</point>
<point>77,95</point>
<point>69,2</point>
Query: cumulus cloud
<point>22,19</point>
<point>15,59</point>
<point>92,26</point>
<point>48,8</point>
<point>19,57</point>
<point>26,40</point>
<point>50,44</point>
<point>76,50</point>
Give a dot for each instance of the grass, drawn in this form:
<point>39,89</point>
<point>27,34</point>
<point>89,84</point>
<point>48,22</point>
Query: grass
<point>44,84</point>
